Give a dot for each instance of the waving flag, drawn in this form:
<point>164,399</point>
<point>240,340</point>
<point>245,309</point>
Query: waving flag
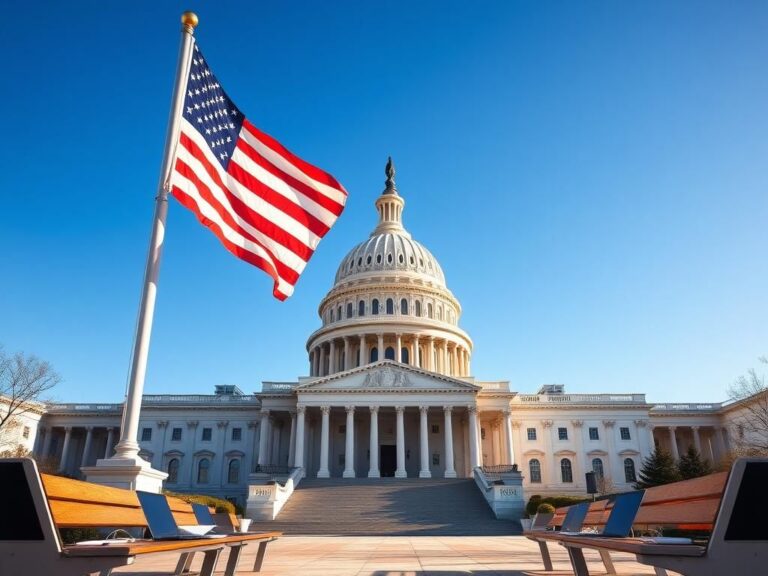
<point>266,205</point>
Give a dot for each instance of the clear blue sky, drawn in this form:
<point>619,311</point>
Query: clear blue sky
<point>591,175</point>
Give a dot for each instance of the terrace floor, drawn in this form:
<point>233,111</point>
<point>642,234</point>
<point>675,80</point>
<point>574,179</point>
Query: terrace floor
<point>400,556</point>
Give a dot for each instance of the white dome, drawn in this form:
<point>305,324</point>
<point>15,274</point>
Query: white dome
<point>390,251</point>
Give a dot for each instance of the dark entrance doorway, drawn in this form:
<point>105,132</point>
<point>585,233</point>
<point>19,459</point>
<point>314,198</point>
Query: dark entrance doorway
<point>387,460</point>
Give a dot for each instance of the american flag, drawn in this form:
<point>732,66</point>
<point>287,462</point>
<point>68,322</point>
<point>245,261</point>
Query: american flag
<point>266,205</point>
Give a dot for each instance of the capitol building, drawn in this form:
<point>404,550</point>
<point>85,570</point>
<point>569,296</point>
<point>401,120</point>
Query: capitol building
<point>389,391</point>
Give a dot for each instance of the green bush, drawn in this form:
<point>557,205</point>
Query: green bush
<point>219,504</point>
<point>545,508</point>
<point>556,501</point>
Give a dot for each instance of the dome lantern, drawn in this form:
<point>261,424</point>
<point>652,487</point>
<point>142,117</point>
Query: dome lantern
<point>390,206</point>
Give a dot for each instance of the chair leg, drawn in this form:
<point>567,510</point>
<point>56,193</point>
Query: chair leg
<point>233,560</point>
<point>260,556</point>
<point>577,561</point>
<point>607,562</point>
<point>185,561</point>
<point>209,561</point>
<point>545,556</point>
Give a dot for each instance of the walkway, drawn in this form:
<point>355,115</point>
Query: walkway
<point>402,556</point>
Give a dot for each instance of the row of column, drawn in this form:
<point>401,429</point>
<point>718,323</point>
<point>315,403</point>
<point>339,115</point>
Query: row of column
<point>720,436</point>
<point>46,434</point>
<point>434,354</point>
<point>374,472</point>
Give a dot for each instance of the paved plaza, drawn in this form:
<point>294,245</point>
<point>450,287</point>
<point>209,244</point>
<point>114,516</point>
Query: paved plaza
<point>401,556</point>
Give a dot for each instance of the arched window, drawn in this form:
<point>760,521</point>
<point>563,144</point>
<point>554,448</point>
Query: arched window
<point>429,310</point>
<point>375,306</point>
<point>331,315</point>
<point>389,353</point>
<point>597,467</point>
<point>566,471</point>
<point>390,306</point>
<point>349,310</point>
<point>418,307</point>
<point>629,470</point>
<point>404,356</point>
<point>361,308</point>
<point>439,313</point>
<point>233,477</point>
<point>338,316</point>
<point>173,470</point>
<point>403,306</point>
<point>202,471</point>
<point>534,467</point>
<point>374,354</point>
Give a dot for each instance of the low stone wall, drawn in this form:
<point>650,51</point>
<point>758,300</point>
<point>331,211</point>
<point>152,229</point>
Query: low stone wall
<point>504,495</point>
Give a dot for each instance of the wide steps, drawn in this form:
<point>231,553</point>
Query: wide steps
<point>389,506</point>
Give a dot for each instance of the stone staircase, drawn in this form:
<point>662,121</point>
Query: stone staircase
<point>389,506</point>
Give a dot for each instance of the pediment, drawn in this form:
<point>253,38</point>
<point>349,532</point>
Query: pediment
<point>629,452</point>
<point>597,453</point>
<point>387,376</point>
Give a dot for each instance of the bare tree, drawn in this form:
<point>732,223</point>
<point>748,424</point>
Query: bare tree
<point>750,396</point>
<point>24,380</point>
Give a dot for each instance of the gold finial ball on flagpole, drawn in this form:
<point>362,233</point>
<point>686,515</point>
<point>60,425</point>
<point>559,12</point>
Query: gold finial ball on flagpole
<point>189,19</point>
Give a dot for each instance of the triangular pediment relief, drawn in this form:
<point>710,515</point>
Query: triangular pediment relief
<point>387,376</point>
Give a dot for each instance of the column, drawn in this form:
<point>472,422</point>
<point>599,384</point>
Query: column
<point>578,435</point>
<point>46,453</point>
<point>474,460</point>
<point>321,371</point>
<point>65,449</point>
<point>381,346</point>
<point>651,438</point>
<point>323,471</point>
<point>373,470</point>
<point>459,361</point>
<point>450,472</point>
<point>400,472</point>
<point>332,358</point>
<point>416,360</point>
<point>673,443</point>
<point>431,355</point>
<point>721,453</point>
<point>87,447</point>
<point>298,454</point>
<point>347,358</point>
<point>349,450</point>
<point>469,367</point>
<point>264,425</point>
<point>547,474</point>
<point>363,351</point>
<point>292,440</point>
<point>725,438</point>
<point>398,348</point>
<point>518,441</point>
<point>510,453</point>
<point>250,455</point>
<point>444,359</point>
<point>614,467</point>
<point>311,362</point>
<point>110,442</point>
<point>424,442</point>
<point>696,439</point>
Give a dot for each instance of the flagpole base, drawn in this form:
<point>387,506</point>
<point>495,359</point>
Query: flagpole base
<point>132,473</point>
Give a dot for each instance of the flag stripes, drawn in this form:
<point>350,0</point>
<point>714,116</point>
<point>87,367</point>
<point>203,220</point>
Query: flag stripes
<point>265,205</point>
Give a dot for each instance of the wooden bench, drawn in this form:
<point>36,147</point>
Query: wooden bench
<point>36,506</point>
<point>731,507</point>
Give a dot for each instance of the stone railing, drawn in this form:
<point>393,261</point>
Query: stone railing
<point>266,500</point>
<point>690,407</point>
<point>156,399</point>
<point>579,399</point>
<point>504,495</point>
<point>277,387</point>
<point>500,386</point>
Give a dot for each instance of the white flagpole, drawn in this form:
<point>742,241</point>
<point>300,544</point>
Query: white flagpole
<point>128,447</point>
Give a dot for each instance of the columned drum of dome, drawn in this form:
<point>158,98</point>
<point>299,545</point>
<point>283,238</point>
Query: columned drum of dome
<point>390,301</point>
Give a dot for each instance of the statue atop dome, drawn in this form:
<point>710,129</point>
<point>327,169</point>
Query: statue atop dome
<point>391,188</point>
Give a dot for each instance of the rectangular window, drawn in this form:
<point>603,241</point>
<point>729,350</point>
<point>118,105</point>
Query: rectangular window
<point>25,433</point>
<point>146,434</point>
<point>562,433</point>
<point>624,433</point>
<point>593,434</point>
<point>237,434</point>
<point>207,433</point>
<point>176,435</point>
<point>531,433</point>
<point>435,459</point>
<point>435,429</point>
